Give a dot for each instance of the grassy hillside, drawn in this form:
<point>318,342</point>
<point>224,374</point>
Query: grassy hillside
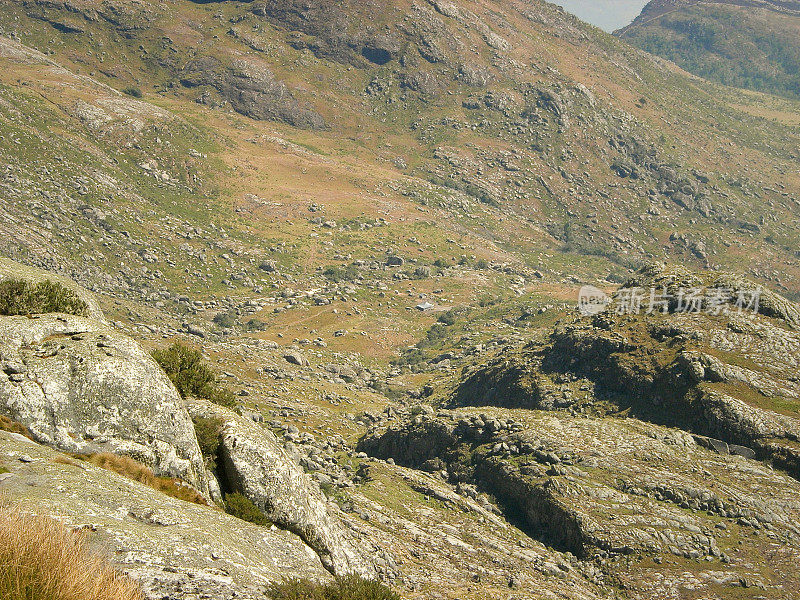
<point>753,46</point>
<point>194,157</point>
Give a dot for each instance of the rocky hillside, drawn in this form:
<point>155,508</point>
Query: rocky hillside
<point>369,223</point>
<point>748,44</point>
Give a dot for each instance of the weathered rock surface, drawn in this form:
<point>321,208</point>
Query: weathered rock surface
<point>174,548</point>
<point>252,90</point>
<point>602,488</point>
<point>726,373</point>
<point>82,387</point>
<point>255,464</point>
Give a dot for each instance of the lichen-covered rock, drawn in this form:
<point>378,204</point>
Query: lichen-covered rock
<point>603,486</point>
<point>82,387</point>
<point>724,371</point>
<point>175,549</point>
<point>252,90</point>
<point>255,464</point>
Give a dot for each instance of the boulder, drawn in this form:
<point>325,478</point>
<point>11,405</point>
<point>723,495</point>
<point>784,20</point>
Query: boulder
<point>174,549</point>
<point>82,387</point>
<point>254,463</point>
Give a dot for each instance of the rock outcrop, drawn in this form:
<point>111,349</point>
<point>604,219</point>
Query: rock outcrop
<point>173,548</point>
<point>252,90</point>
<point>82,387</point>
<point>600,487</point>
<point>254,463</point>
<point>720,370</point>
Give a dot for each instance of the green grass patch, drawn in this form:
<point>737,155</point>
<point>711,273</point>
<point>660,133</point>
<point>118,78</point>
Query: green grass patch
<point>241,507</point>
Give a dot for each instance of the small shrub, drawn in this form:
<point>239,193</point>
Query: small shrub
<point>192,377</point>
<point>40,559</point>
<point>242,507</point>
<point>423,272</point>
<point>207,430</point>
<point>3,469</point>
<point>344,588</point>
<point>255,325</point>
<point>225,320</point>
<point>19,297</point>
<point>339,274</point>
<point>127,467</point>
<point>7,424</point>
<point>133,91</point>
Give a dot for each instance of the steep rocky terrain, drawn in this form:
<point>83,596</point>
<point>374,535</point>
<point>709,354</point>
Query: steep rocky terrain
<point>373,220</point>
<point>743,43</point>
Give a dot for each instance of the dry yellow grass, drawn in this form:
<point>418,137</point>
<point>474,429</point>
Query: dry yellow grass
<point>7,424</point>
<point>40,559</point>
<point>127,467</point>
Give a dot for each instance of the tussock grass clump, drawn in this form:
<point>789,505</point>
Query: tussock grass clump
<point>40,559</point>
<point>192,376</point>
<point>127,467</point>
<point>344,588</point>
<point>19,297</point>
<point>7,424</point>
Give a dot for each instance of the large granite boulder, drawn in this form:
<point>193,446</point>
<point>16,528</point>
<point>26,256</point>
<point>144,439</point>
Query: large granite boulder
<point>254,463</point>
<point>175,549</point>
<point>80,386</point>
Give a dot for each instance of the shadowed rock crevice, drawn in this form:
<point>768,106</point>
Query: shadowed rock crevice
<point>253,463</point>
<point>527,503</point>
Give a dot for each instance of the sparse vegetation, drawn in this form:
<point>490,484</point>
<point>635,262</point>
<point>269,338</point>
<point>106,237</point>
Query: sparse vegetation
<point>255,325</point>
<point>20,297</point>
<point>241,507</point>
<point>40,559</point>
<point>133,91</point>
<point>127,467</point>
<point>207,430</point>
<point>225,320</point>
<point>345,588</point>
<point>188,371</point>
<point>7,424</point>
<point>339,274</point>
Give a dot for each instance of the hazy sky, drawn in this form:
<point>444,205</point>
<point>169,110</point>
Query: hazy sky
<point>606,14</point>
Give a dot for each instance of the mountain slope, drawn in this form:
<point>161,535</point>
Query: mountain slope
<point>350,206</point>
<point>592,155</point>
<point>746,44</point>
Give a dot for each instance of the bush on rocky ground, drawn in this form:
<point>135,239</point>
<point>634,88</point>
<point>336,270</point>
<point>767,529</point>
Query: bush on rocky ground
<point>19,297</point>
<point>207,430</point>
<point>242,507</point>
<point>192,376</point>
